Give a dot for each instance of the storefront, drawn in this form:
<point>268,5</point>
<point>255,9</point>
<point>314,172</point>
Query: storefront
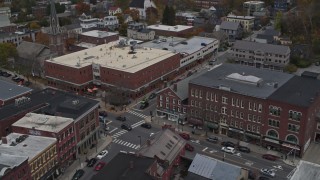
<point>224,129</point>
<point>195,122</point>
<point>252,137</point>
<point>281,146</point>
<point>236,133</point>
<point>213,127</point>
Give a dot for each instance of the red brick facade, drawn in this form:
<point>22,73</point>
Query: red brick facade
<point>98,40</point>
<point>182,33</point>
<point>21,172</point>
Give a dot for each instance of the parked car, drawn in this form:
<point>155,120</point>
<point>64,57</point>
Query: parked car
<point>270,157</point>
<point>188,147</point>
<point>211,62</point>
<point>185,136</point>
<point>244,149</point>
<point>103,113</point>
<point>27,83</point>
<point>6,74</point>
<point>212,139</point>
<point>146,125</point>
<point>102,154</point>
<point>91,162</point>
<point>121,118</point>
<point>228,144</point>
<point>267,172</point>
<point>99,166</point>
<point>230,150</point>
<point>126,127</point>
<point>144,105</point>
<point>152,95</point>
<point>78,174</point>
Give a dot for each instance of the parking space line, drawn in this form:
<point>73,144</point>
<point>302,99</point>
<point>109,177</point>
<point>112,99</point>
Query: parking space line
<point>113,130</point>
<point>205,149</point>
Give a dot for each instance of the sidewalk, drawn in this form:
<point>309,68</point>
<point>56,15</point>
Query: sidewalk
<point>200,134</point>
<point>80,162</point>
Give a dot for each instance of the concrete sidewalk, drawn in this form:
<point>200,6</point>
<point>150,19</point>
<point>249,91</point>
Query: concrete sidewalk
<point>80,162</point>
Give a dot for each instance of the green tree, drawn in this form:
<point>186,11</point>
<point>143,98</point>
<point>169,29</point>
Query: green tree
<point>123,4</point>
<point>165,16</point>
<point>277,21</point>
<point>7,50</point>
<point>123,29</point>
<point>44,22</point>
<point>59,8</point>
<point>172,16</point>
<point>34,26</point>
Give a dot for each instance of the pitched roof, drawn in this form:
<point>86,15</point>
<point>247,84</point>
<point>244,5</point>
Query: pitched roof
<point>113,8</point>
<point>72,26</point>
<point>119,168</point>
<point>229,25</point>
<point>165,146</point>
<point>29,50</point>
<point>10,91</point>
<point>268,48</point>
<point>210,168</point>
<point>137,4</point>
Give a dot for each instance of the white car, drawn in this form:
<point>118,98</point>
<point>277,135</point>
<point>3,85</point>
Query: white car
<point>267,172</point>
<point>102,154</point>
<point>228,150</point>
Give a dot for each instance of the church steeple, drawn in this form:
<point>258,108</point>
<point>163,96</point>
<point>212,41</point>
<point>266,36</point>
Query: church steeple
<point>54,20</point>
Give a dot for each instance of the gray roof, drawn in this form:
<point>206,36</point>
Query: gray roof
<point>271,32</point>
<point>8,161</point>
<point>4,20</point>
<point>159,145</point>
<point>267,37</point>
<point>217,78</point>
<point>11,91</point>
<point>119,168</point>
<point>299,91</point>
<point>193,44</point>
<point>214,169</point>
<point>229,25</point>
<point>51,102</point>
<point>268,48</point>
<point>30,147</point>
<point>29,50</point>
<point>72,26</point>
<point>306,170</point>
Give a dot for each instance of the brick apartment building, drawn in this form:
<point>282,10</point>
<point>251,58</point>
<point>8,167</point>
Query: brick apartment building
<point>9,92</point>
<point>51,126</point>
<point>14,167</point>
<point>275,109</point>
<point>261,55</point>
<point>98,37</point>
<point>41,153</point>
<point>136,69</point>
<point>54,102</point>
<point>176,31</point>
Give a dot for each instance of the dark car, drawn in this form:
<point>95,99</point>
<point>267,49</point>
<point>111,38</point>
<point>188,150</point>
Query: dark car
<point>79,173</point>
<point>185,136</point>
<point>5,74</point>
<point>212,139</point>
<point>228,144</point>
<point>91,162</point>
<point>269,157</point>
<point>188,147</point>
<point>244,149</point>
<point>121,118</point>
<point>146,125</point>
<point>103,113</point>
<point>152,95</point>
<point>126,127</point>
<point>144,105</point>
<point>27,83</point>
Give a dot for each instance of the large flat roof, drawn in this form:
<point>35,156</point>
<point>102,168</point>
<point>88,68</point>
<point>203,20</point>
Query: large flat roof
<point>181,45</point>
<point>30,147</point>
<point>98,34</point>
<point>306,170</point>
<point>51,102</point>
<point>245,80</point>
<point>10,161</point>
<point>43,122</point>
<point>113,56</point>
<point>263,47</point>
<point>10,90</point>
<point>176,28</point>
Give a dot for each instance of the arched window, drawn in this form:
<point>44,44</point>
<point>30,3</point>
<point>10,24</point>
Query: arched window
<point>292,138</point>
<point>273,133</point>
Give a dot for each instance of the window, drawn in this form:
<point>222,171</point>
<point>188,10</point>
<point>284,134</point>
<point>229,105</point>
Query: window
<point>223,110</point>
<point>241,125</point>
<point>254,118</point>
<point>273,133</point>
<point>250,106</point>
<point>207,106</point>
<point>192,92</point>
<point>274,123</point>
<point>207,95</point>
<point>173,101</point>
<point>200,104</point>
<point>259,119</point>
<point>192,112</point>
<point>293,127</point>
<point>215,97</point>
<point>242,104</point>
<point>160,97</point>
<point>196,93</point>
<point>260,108</point>
<point>179,102</point>
<point>231,113</point>
<point>160,104</point>
<point>258,129</point>
<point>276,111</point>
<point>293,115</point>
<point>236,124</point>
<point>232,122</point>
<point>212,95</point>
<point>167,99</point>
<point>184,110</point>
<point>241,115</point>
<point>195,103</point>
<point>192,102</point>
<point>292,138</point>
<point>167,105</point>
<point>249,117</point>
<point>253,128</point>
<point>224,100</point>
<point>249,127</point>
<point>232,102</point>
<point>211,107</point>
<point>237,114</point>
<point>200,94</point>
<point>237,102</point>
<point>254,106</point>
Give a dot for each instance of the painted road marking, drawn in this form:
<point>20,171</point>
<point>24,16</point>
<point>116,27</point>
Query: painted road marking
<point>205,149</point>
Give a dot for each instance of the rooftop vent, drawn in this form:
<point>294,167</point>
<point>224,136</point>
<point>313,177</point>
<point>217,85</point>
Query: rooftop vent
<point>75,102</point>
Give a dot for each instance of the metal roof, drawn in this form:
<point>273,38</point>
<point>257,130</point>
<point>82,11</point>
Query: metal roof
<point>229,25</point>
<point>268,48</point>
<point>11,91</point>
<point>306,170</point>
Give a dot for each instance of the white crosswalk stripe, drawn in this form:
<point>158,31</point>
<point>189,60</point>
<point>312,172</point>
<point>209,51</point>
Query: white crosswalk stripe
<point>137,114</point>
<point>124,143</point>
<point>118,134</point>
<point>137,124</point>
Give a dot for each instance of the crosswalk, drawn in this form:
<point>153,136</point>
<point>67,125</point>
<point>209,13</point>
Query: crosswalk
<point>124,143</point>
<point>118,134</point>
<point>137,114</point>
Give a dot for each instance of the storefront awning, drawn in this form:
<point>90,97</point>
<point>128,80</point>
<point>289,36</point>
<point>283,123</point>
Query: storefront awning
<point>236,130</point>
<point>253,135</point>
<point>195,121</point>
<point>212,125</point>
<point>291,146</point>
<point>272,140</point>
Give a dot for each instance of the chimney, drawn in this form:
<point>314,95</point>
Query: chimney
<point>4,140</point>
<point>131,164</point>
<point>175,87</point>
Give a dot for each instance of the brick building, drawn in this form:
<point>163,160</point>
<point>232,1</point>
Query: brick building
<point>14,167</point>
<point>41,153</point>
<point>177,31</point>
<point>136,69</point>
<point>9,92</point>
<point>275,109</point>
<point>98,37</point>
<point>53,102</point>
<point>39,11</point>
<point>51,126</point>
<point>206,4</point>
